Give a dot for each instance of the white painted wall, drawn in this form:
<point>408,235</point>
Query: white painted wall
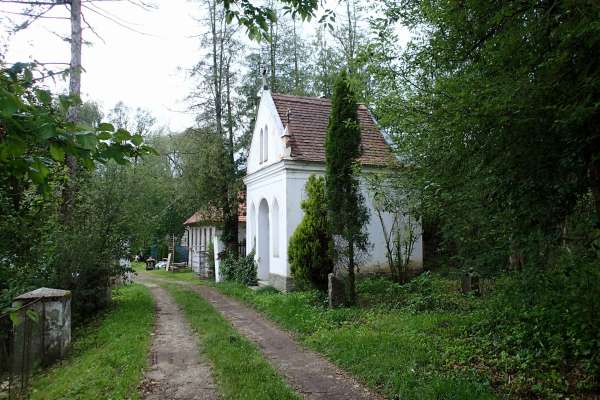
<point>297,174</point>
<point>266,117</point>
<point>285,182</point>
<point>267,184</point>
<point>200,237</point>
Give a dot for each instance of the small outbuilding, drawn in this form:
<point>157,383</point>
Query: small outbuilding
<point>201,228</point>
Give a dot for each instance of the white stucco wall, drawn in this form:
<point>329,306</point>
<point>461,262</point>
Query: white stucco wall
<point>200,237</point>
<point>266,117</point>
<point>267,185</point>
<point>297,174</point>
<point>284,182</point>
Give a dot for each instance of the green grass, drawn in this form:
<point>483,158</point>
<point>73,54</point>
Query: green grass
<point>239,369</point>
<point>108,356</point>
<point>184,275</point>
<point>403,349</point>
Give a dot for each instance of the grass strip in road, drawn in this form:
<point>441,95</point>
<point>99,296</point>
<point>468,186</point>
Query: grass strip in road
<point>238,367</point>
<point>108,356</point>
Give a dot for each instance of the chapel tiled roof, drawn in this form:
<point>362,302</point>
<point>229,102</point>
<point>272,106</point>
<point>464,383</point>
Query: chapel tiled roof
<point>308,119</point>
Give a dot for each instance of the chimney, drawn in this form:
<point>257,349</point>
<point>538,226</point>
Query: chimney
<point>264,79</point>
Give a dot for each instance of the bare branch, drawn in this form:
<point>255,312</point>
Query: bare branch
<point>26,14</point>
<point>91,28</point>
<point>35,3</point>
<point>117,22</point>
<point>118,18</point>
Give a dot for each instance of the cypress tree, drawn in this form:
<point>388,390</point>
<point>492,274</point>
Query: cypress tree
<point>347,213</point>
<point>309,248</point>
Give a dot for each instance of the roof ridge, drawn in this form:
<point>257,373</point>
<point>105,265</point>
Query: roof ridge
<point>302,98</point>
<point>293,97</point>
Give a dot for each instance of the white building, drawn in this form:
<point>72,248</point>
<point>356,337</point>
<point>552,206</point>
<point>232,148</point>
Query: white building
<point>288,145</point>
<point>200,229</point>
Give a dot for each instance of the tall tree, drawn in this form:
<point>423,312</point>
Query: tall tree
<point>346,210</point>
<point>494,104</point>
<point>214,100</point>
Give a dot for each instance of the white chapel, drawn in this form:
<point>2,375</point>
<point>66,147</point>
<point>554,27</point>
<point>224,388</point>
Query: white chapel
<point>288,145</point>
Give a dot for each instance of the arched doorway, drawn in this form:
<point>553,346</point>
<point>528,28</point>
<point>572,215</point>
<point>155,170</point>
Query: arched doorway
<point>263,240</point>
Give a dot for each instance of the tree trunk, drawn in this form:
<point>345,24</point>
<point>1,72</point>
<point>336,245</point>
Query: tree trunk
<point>351,275</point>
<point>296,71</point>
<point>351,35</point>
<point>272,53</point>
<point>70,188</point>
<point>232,224</point>
<point>217,66</point>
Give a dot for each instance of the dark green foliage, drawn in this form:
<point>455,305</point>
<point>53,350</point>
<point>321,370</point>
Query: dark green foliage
<point>495,109</point>
<point>36,248</point>
<point>427,292</point>
<point>239,269</point>
<point>503,130</point>
<point>549,322</point>
<point>310,246</point>
<point>346,209</point>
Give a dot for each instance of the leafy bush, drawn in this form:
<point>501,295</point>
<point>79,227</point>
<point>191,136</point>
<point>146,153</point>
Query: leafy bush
<point>426,292</point>
<point>309,249</point>
<point>239,269</point>
<point>211,256</point>
<point>547,321</point>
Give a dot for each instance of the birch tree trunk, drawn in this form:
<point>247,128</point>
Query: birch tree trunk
<point>70,188</point>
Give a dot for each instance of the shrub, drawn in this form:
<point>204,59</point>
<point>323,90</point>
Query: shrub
<point>547,321</point>
<point>426,292</point>
<point>239,269</point>
<point>309,249</point>
<point>211,256</point>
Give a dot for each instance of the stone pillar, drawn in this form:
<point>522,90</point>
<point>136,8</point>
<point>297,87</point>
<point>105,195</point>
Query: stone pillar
<point>336,290</point>
<point>53,307</point>
<point>218,248</point>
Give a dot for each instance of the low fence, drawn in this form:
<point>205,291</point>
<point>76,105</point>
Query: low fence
<point>22,348</point>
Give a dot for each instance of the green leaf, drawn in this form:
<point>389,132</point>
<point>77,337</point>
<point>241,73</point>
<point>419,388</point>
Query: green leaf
<point>46,131</point>
<point>38,172</point>
<point>88,140</point>
<point>44,96</point>
<point>104,136</point>
<point>105,126</point>
<point>57,152</point>
<point>32,315</point>
<point>15,146</point>
<point>15,318</point>
<point>88,163</point>
<point>121,135</point>
<point>9,104</point>
<point>137,139</point>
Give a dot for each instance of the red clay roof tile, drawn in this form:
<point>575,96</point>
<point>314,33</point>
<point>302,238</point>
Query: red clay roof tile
<point>307,127</point>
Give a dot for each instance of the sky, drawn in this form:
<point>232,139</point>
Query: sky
<point>146,70</point>
<point>144,66</point>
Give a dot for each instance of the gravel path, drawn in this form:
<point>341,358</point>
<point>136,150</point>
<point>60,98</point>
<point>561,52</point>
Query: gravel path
<point>177,370</point>
<point>309,373</point>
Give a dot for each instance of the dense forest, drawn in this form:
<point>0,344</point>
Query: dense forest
<point>491,108</point>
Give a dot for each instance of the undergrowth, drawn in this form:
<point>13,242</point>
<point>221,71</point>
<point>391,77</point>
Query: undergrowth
<point>108,356</point>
